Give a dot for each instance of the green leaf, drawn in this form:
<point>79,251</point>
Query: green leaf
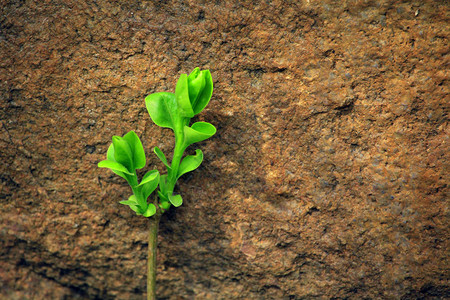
<point>163,184</point>
<point>163,197</point>
<point>110,156</point>
<point>149,183</point>
<point>176,200</point>
<point>182,96</point>
<point>200,102</point>
<point>198,132</point>
<point>142,202</point>
<point>114,166</point>
<point>148,189</point>
<point>149,177</point>
<point>122,152</point>
<point>162,108</point>
<point>190,163</point>
<point>136,209</point>
<point>163,193</point>
<point>161,156</point>
<point>131,201</point>
<point>110,153</point>
<point>151,210</point>
<point>137,149</point>
<point>196,83</point>
<point>165,205</point>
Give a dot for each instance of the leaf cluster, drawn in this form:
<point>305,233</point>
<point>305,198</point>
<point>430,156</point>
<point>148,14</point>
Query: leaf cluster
<point>170,110</point>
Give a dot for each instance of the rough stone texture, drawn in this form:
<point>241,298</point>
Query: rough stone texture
<point>327,177</point>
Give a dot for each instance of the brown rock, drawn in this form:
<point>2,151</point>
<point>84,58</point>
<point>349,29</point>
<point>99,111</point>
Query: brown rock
<point>327,177</point>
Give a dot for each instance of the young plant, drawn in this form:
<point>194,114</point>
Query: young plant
<point>125,155</point>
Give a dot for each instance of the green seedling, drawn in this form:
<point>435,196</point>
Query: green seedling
<point>126,154</point>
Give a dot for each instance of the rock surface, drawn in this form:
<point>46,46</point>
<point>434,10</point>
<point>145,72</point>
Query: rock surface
<point>327,177</point>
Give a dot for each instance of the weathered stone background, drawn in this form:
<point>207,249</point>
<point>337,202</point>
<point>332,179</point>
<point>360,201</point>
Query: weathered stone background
<point>327,177</point>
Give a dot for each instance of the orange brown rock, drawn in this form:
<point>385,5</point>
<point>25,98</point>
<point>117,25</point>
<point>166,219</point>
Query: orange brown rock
<point>327,178</point>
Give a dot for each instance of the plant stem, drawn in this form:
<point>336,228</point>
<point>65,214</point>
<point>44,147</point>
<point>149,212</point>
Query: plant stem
<point>151,267</point>
<point>176,160</point>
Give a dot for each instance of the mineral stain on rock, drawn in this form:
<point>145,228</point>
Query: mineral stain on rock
<point>327,178</point>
